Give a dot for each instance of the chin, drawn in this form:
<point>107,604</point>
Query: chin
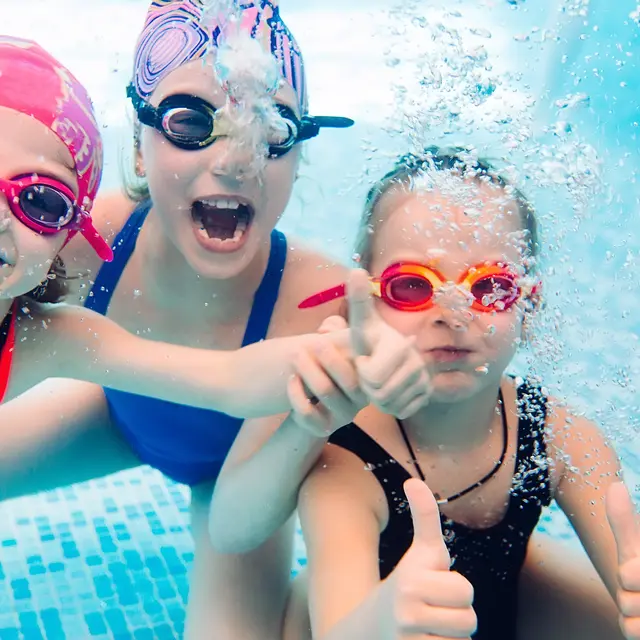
<point>454,386</point>
<point>222,266</point>
<point>18,284</point>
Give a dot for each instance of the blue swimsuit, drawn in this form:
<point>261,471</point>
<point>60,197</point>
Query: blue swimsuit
<point>187,444</point>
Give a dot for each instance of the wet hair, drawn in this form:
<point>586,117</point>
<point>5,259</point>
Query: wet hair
<point>454,159</point>
<point>54,288</point>
<point>135,187</point>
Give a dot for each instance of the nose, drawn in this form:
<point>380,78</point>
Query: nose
<point>230,163</point>
<point>453,319</point>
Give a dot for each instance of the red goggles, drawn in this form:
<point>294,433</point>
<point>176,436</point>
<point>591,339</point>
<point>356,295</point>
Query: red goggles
<point>48,206</point>
<point>415,287</point>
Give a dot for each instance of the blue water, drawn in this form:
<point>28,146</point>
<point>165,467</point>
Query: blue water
<point>110,559</point>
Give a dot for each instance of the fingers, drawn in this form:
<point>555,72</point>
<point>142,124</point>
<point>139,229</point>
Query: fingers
<point>437,621</point>
<point>407,389</point>
<point>427,529</point>
<point>323,373</point>
<point>395,380</point>
<point>362,311</point>
<point>377,368</point>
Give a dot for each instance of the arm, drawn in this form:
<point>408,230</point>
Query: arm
<point>259,484</point>
<point>257,490</point>
<point>90,347</point>
<point>347,600</point>
<point>591,466</point>
<point>57,434</point>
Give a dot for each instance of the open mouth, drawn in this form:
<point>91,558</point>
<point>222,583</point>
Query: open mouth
<point>225,220</point>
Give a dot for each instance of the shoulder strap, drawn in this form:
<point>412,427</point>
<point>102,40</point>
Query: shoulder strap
<point>532,463</point>
<point>110,272</point>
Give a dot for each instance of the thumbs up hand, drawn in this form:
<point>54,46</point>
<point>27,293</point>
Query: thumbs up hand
<point>625,525</point>
<point>429,599</point>
<point>392,374</point>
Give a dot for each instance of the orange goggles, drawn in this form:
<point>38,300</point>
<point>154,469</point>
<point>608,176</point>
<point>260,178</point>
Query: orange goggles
<point>415,287</point>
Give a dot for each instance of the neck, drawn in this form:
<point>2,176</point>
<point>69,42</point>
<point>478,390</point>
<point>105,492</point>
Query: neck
<point>172,282</point>
<point>5,307</point>
<point>458,425</point>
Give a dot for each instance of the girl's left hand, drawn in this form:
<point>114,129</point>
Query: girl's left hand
<point>625,525</point>
<point>391,371</point>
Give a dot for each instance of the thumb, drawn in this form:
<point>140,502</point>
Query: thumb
<point>361,310</point>
<point>427,529</point>
<point>623,521</point>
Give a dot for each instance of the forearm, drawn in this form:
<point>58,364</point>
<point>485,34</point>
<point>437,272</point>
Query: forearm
<point>247,382</point>
<point>255,498</point>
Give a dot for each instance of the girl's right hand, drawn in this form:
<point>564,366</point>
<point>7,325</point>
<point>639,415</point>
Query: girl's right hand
<point>324,390</point>
<point>427,597</point>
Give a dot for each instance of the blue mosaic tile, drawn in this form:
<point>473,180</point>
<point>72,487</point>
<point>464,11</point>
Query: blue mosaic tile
<point>109,559</point>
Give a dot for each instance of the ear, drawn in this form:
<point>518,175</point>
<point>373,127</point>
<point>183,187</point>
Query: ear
<point>141,172</point>
<point>137,155</point>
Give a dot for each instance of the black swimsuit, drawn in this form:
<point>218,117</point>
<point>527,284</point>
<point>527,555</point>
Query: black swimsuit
<point>491,559</point>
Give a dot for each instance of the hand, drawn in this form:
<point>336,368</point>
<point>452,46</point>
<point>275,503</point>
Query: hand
<point>623,519</point>
<point>324,390</point>
<point>390,369</point>
<point>429,599</point>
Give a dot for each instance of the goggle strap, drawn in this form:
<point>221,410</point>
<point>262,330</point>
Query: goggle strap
<point>322,297</point>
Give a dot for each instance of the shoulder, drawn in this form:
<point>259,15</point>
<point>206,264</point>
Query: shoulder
<point>307,272</point>
<point>338,469</point>
<point>571,437</point>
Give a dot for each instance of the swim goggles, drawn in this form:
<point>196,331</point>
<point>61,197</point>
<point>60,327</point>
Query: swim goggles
<point>191,123</point>
<point>48,206</point>
<point>488,287</point>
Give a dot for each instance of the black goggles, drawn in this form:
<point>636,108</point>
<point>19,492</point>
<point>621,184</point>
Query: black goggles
<point>189,122</point>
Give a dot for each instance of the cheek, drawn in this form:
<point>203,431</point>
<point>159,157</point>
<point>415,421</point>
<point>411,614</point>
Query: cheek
<point>279,178</point>
<point>36,252</point>
<point>165,166</point>
<point>501,331</point>
<point>408,323</point>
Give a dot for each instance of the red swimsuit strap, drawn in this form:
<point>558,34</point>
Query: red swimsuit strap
<point>6,355</point>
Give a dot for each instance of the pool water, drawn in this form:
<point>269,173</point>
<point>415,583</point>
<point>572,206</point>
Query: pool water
<point>110,558</point>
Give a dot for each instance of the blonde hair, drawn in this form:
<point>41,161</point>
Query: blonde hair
<point>455,159</point>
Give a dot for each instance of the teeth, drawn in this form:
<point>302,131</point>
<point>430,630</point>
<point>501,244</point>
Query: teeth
<point>221,203</point>
<point>236,235</point>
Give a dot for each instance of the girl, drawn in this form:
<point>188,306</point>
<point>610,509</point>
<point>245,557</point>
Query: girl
<point>197,263</point>
<point>53,160</point>
<point>453,249</point>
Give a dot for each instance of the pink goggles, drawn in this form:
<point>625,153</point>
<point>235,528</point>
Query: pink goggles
<point>48,206</point>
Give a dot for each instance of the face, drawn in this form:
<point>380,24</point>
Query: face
<point>215,210</point>
<point>465,350</point>
<point>28,147</point>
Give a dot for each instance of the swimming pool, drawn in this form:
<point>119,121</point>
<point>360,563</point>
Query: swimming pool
<point>109,559</point>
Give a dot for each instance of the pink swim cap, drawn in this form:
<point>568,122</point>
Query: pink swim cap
<point>178,31</point>
<point>36,84</point>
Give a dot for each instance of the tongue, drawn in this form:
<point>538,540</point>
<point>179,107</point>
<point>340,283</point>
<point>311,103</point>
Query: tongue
<point>218,222</point>
<point>222,223</point>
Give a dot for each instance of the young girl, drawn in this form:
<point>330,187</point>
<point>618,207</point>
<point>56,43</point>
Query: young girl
<point>453,250</point>
<point>197,263</point>
<point>51,153</point>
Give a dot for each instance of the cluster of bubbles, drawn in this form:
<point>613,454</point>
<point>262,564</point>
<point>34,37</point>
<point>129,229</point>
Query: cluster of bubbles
<point>250,77</point>
<point>449,86</point>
